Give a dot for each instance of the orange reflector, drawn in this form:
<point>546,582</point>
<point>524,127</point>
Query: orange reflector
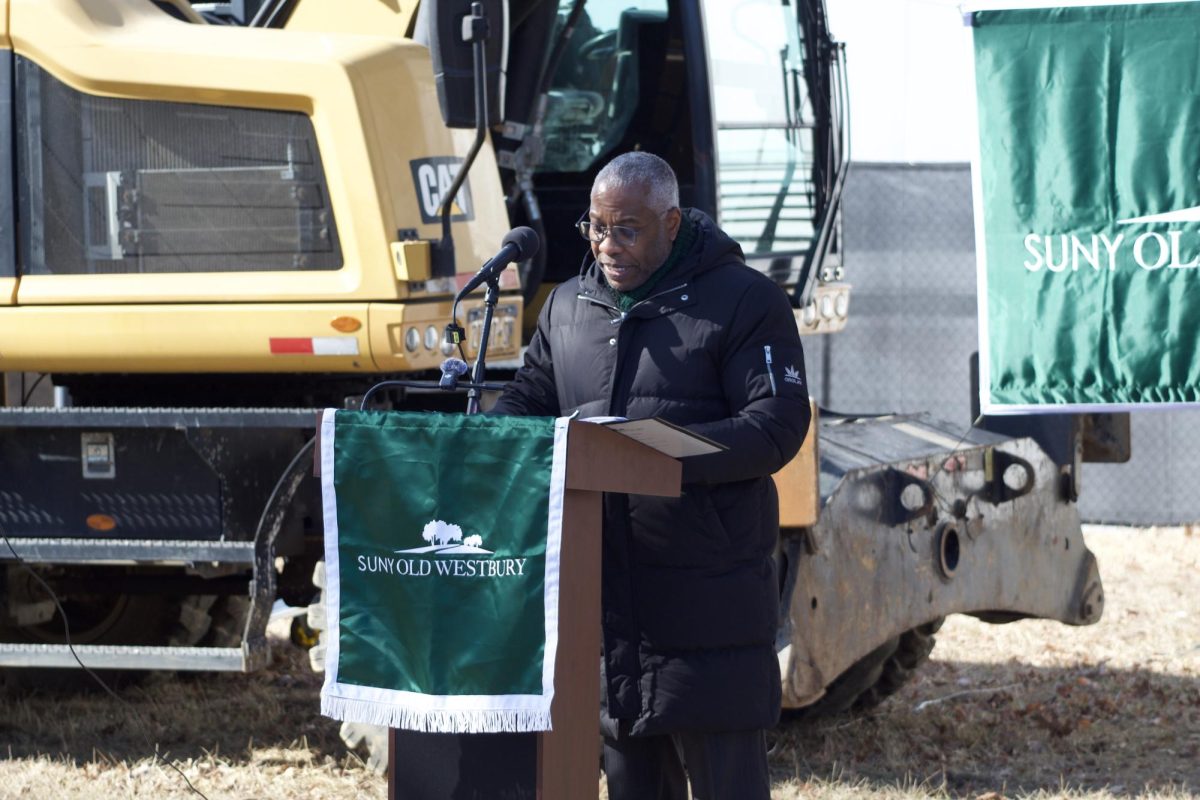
<point>346,324</point>
<point>101,522</point>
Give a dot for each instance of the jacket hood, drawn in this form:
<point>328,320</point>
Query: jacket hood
<point>712,248</point>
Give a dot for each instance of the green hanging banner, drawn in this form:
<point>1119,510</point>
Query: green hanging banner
<point>442,538</point>
<point>1087,204</point>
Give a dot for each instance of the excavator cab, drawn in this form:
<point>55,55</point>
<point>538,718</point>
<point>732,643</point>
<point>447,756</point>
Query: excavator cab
<point>746,103</point>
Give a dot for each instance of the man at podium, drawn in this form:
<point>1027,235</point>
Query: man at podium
<point>666,320</point>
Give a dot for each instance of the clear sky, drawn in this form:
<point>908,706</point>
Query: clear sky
<point>909,78</point>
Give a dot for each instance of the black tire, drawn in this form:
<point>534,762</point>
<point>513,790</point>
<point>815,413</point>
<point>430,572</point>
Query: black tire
<point>228,627</point>
<point>211,621</point>
<point>118,619</point>
<point>912,650</point>
<point>874,677</point>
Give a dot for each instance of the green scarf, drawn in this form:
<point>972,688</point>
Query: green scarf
<point>683,243</point>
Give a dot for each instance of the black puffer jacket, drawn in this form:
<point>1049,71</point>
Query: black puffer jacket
<point>690,596</point>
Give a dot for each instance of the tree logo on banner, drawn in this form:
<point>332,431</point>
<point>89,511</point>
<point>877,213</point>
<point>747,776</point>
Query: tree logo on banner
<point>447,539</point>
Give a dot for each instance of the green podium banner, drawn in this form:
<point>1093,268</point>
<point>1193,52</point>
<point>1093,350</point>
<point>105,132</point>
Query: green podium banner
<point>442,537</point>
<point>1087,204</point>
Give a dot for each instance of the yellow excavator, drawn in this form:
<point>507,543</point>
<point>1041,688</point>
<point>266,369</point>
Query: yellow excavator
<point>222,217</point>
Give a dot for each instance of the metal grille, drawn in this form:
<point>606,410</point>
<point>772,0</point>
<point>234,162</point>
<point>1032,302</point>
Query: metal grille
<point>909,253</point>
<point>110,185</point>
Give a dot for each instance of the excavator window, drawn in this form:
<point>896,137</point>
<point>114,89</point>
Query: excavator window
<point>765,122</point>
<point>622,85</point>
<point>108,185</point>
<point>596,89</point>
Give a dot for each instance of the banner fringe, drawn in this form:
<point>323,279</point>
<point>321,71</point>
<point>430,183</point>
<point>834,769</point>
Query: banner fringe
<point>437,720</point>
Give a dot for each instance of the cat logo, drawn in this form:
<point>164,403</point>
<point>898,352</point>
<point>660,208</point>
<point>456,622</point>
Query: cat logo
<point>432,178</point>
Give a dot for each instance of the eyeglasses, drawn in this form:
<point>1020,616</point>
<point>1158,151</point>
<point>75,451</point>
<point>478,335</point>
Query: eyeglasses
<point>622,235</point>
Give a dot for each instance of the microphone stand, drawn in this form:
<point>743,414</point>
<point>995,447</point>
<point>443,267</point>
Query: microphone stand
<point>427,385</point>
<point>478,373</point>
<point>477,384</point>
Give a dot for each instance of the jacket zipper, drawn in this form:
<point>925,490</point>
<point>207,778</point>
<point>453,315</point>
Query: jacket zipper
<point>617,320</point>
<point>597,301</point>
<point>770,371</point>
<point>621,315</point>
<point>658,294</point>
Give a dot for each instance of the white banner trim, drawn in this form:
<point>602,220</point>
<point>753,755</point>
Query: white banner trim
<point>981,293</point>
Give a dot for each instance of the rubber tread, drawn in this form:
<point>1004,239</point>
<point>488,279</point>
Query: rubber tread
<point>874,677</point>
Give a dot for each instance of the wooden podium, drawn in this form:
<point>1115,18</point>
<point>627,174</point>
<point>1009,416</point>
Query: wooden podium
<point>562,764</point>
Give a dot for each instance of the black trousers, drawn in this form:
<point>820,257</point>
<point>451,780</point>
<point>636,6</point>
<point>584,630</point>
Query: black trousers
<point>721,766</point>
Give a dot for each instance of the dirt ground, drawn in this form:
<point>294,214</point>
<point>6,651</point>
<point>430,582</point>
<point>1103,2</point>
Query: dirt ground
<point>1031,709</point>
<point>1035,707</point>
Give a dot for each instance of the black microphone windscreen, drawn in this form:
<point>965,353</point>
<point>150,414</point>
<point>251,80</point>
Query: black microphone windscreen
<point>526,240</point>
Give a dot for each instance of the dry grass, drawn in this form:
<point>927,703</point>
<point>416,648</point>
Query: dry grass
<point>1032,709</point>
<point>233,736</point>
<point>1036,708</point>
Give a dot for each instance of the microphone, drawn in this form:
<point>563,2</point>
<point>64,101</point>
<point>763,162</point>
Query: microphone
<point>452,370</point>
<point>518,245</point>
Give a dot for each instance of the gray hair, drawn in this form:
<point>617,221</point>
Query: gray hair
<point>643,170</point>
